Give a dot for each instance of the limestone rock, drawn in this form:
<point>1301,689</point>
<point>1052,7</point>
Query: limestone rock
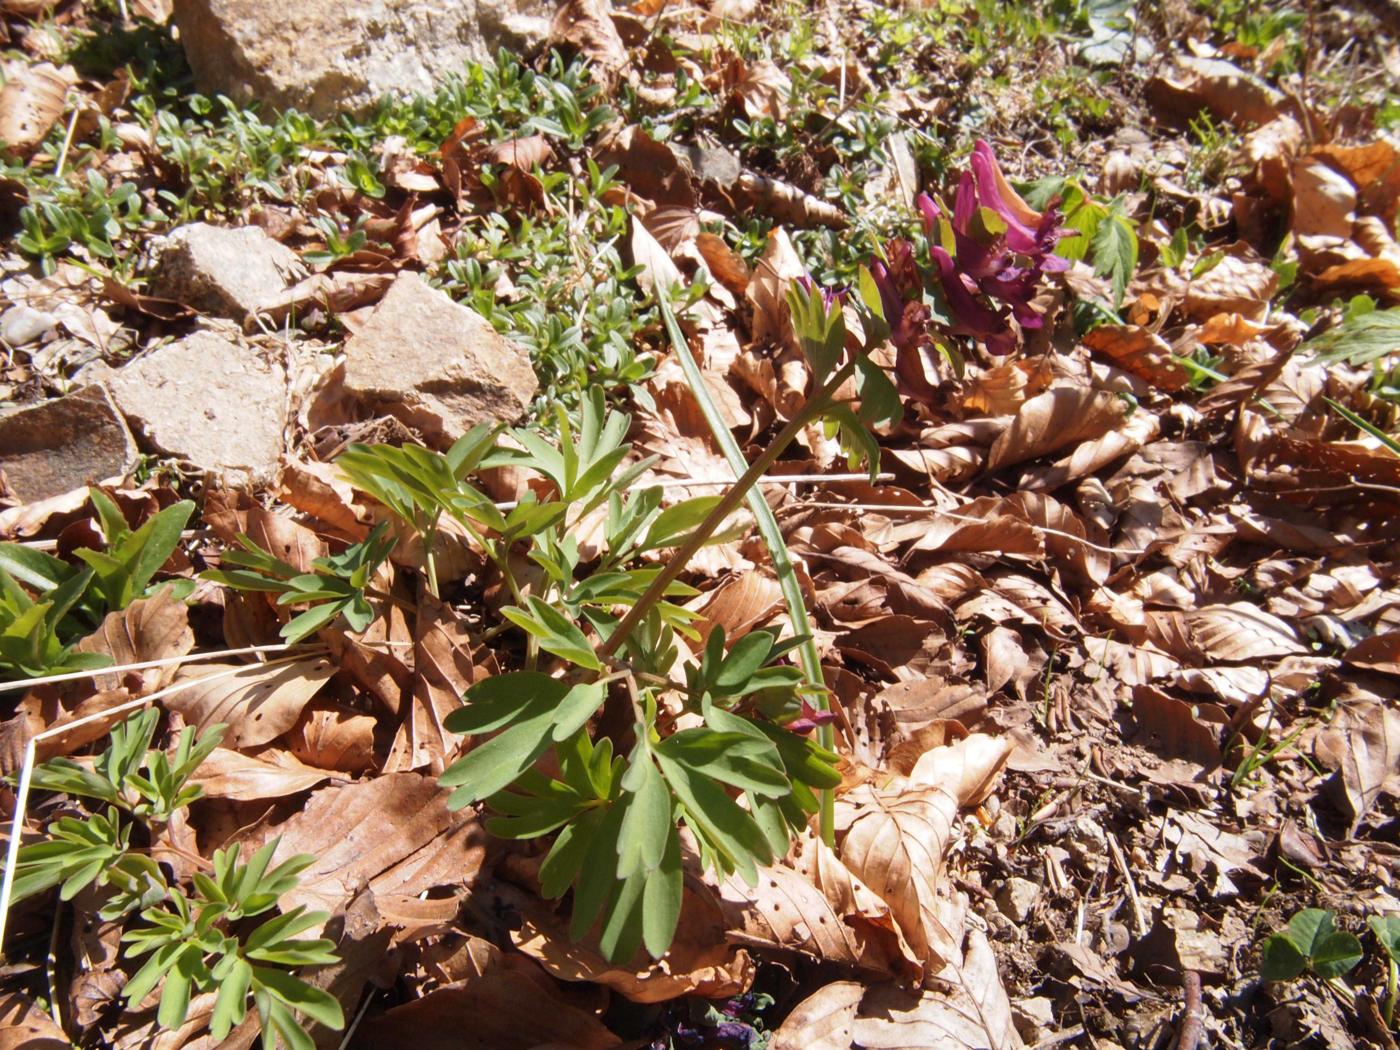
<point>214,403</point>
<point>226,271</point>
<point>436,365</point>
<point>328,56</point>
<point>1016,898</point>
<point>64,444</point>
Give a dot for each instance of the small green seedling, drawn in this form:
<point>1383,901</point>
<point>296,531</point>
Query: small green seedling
<point>1310,943</point>
<point>335,586</point>
<point>1387,931</point>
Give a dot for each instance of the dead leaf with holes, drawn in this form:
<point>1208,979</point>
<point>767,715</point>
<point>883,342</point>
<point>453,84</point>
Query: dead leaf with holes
<point>257,702</point>
<point>31,102</point>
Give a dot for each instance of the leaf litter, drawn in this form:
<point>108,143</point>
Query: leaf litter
<point>1112,642</point>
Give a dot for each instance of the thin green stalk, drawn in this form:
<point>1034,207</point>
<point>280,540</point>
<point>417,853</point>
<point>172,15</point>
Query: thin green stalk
<point>1392,991</point>
<point>808,655</point>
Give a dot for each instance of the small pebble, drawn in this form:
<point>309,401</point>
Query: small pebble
<point>22,325</point>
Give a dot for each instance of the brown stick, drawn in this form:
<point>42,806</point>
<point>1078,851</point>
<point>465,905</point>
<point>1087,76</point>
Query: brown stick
<point>1193,1021</point>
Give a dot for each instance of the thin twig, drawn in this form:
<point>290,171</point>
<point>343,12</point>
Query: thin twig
<point>1121,862</point>
<point>1193,1020</point>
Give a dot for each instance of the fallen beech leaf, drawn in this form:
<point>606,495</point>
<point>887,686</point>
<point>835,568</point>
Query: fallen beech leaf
<point>725,264</point>
<point>1241,282</point>
<point>817,907</point>
<point>825,1020</point>
<point>393,832</point>
<point>1145,354</point>
<point>1240,632</point>
<point>526,154</point>
<point>1171,728</point>
<point>246,778</point>
<point>152,628</point>
<point>586,26</point>
<point>258,702</point>
<point>699,962</point>
<point>1222,87</point>
<point>500,1010</point>
<point>1004,657</point>
<point>967,769</point>
<point>23,1026</point>
<point>1324,205</point>
<point>967,1010</point>
<point>1362,746</point>
<point>1380,652</point>
<point>1053,420</point>
<point>31,102</point>
<point>331,736</point>
<point>762,88</point>
<point>895,842</point>
<point>1140,428</point>
<point>442,672</point>
<point>767,290</point>
<point>739,604</point>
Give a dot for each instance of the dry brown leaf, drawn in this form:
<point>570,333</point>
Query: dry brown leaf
<point>23,1026</point>
<point>152,628</point>
<point>739,604</point>
<point>247,778</point>
<point>895,842</point>
<point>586,26</point>
<point>762,88</point>
<point>1241,633</point>
<point>1141,428</point>
<point>1380,652</point>
<point>767,291</point>
<point>442,672</point>
<point>1141,352</point>
<point>1173,729</point>
<point>817,907</point>
<point>1241,282</point>
<point>526,154</point>
<point>331,736</point>
<point>967,1009</point>
<point>258,702</point>
<point>31,102</point>
<point>825,1020</point>
<point>500,1010</point>
<point>1004,658</point>
<point>1220,86</point>
<point>699,962</point>
<point>1362,746</point>
<point>1053,420</point>
<point>393,832</point>
<point>724,263</point>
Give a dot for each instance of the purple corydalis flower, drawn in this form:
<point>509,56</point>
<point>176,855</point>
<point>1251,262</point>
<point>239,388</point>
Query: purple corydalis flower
<point>988,265</point>
<point>809,719</point>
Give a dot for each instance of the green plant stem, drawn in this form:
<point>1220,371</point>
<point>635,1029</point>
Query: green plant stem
<point>744,488</point>
<point>1392,991</point>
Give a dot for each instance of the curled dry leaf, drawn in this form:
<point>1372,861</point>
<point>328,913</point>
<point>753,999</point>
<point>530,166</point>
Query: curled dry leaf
<point>442,672</point>
<point>1054,420</point>
<point>895,841</point>
<point>761,88</point>
<point>824,1020</point>
<point>1362,747</point>
<point>818,908</point>
<point>31,102</point>
<point>699,962</point>
<point>966,1009</point>
<point>258,702</point>
<point>331,736</point>
<point>1145,354</point>
<point>247,778</point>
<point>1241,282</point>
<point>1241,633</point>
<point>153,628</point>
<point>586,26</point>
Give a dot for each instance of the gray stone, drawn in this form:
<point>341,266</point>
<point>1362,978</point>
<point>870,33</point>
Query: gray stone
<point>211,402</point>
<point>64,444</point>
<point>435,364</point>
<point>22,325</point>
<point>329,56</point>
<point>1016,898</point>
<point>226,271</point>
